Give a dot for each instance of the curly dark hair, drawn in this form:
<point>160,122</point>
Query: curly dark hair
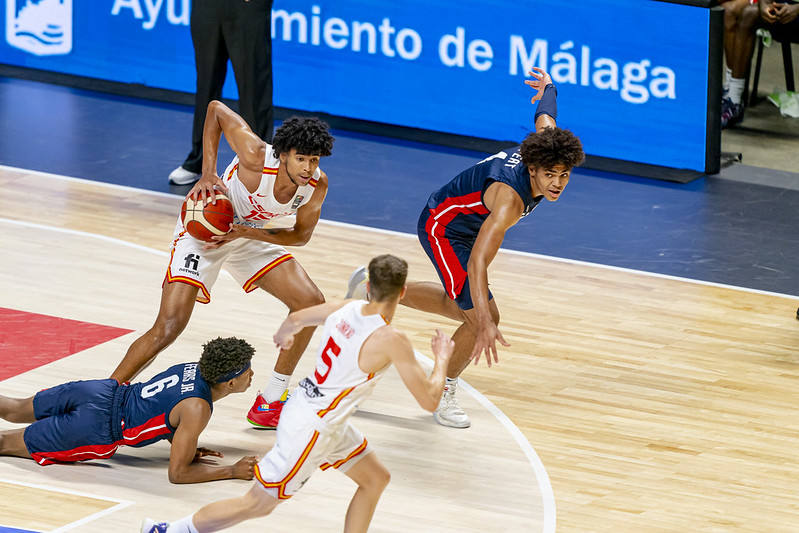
<point>387,275</point>
<point>308,135</point>
<point>550,147</point>
<point>222,356</point>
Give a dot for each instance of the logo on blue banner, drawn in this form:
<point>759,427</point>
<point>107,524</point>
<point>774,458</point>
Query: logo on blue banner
<point>40,27</point>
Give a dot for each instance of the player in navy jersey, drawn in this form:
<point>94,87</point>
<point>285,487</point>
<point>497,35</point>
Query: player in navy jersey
<point>462,227</point>
<point>85,420</point>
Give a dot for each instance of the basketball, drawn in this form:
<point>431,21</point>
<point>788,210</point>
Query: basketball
<point>203,222</point>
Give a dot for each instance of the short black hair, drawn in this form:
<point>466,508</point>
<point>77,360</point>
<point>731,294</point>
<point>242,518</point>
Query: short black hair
<point>387,274</point>
<point>550,147</point>
<point>222,356</point>
<point>307,135</point>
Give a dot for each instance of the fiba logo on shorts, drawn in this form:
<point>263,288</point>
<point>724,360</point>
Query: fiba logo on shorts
<point>40,27</point>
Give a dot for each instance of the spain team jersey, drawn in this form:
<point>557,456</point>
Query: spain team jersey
<point>146,407</point>
<point>260,207</point>
<point>338,384</point>
<point>457,209</point>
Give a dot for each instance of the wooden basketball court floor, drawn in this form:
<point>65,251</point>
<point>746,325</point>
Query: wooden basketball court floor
<point>626,402</point>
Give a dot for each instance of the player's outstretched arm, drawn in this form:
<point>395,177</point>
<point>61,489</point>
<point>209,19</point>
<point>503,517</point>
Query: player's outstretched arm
<point>298,320</point>
<point>506,208</point>
<point>248,146</point>
<point>185,459</point>
<point>425,389</point>
<point>546,95</point>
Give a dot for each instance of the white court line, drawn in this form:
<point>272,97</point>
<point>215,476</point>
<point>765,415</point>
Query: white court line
<point>544,485</point>
<point>120,504</point>
<point>413,236</point>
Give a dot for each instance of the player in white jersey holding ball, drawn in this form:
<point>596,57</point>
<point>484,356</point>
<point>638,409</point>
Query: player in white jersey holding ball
<point>358,345</point>
<point>264,182</point>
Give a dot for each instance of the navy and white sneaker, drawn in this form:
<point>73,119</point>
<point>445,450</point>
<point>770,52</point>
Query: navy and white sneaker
<point>151,526</point>
<point>731,113</point>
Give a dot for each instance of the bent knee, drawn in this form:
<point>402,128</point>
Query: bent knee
<point>307,298</point>
<point>257,502</point>
<point>377,480</point>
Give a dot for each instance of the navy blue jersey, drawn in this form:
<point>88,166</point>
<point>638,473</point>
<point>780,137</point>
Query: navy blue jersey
<point>146,408</point>
<point>458,206</point>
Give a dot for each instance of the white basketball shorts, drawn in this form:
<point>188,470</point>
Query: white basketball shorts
<point>304,443</point>
<point>247,260</point>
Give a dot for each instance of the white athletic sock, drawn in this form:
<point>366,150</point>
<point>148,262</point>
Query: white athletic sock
<point>184,525</point>
<point>277,385</point>
<point>727,77</point>
<point>451,384</point>
<point>736,89</point>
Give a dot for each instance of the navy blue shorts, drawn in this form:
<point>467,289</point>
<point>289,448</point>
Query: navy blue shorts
<point>450,257</point>
<point>75,422</point>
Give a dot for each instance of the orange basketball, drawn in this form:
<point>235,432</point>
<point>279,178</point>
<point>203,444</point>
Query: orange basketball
<point>203,222</point>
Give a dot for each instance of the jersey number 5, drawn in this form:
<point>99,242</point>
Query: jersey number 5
<point>330,348</point>
<point>154,388</point>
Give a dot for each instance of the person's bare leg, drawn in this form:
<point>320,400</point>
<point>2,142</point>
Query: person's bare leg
<point>227,513</point>
<point>12,443</point>
<point>372,478</point>
<point>289,283</point>
<point>745,41</point>
<point>464,341</point>
<point>431,297</point>
<point>18,410</point>
<point>177,304</point>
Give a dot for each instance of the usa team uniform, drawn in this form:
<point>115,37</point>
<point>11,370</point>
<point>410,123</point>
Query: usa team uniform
<point>314,430</point>
<point>247,260</point>
<point>454,214</point>
<point>85,420</point>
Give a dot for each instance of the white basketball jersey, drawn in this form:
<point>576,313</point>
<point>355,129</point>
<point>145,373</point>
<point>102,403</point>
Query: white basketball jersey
<point>338,385</point>
<point>258,208</point>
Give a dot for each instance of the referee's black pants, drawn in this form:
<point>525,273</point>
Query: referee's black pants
<point>239,30</point>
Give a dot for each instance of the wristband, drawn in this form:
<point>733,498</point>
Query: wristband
<point>548,105</point>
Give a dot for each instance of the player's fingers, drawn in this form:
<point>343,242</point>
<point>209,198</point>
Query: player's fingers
<point>501,339</point>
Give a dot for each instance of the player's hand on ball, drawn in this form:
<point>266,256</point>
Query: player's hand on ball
<point>204,188</point>
<point>487,335</point>
<point>539,83</point>
<point>236,231</point>
<point>245,467</point>
<point>442,346</point>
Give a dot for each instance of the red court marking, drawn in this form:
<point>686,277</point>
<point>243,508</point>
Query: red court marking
<point>30,340</point>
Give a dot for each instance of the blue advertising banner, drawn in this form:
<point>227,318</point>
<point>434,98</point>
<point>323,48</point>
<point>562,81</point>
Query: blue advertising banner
<point>632,75</point>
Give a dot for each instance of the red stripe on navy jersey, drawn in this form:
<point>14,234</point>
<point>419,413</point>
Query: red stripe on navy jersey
<point>153,428</point>
<point>81,453</point>
<point>446,259</point>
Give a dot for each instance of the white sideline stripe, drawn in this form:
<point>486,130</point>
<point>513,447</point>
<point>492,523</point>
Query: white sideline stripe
<point>541,476</point>
<point>548,498</point>
<point>402,234</point>
<point>120,504</point>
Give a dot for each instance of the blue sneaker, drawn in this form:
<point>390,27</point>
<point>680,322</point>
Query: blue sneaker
<point>151,526</point>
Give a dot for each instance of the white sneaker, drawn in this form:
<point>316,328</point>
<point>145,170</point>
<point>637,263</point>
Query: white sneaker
<point>151,526</point>
<point>449,413</point>
<point>356,286</point>
<point>181,176</point>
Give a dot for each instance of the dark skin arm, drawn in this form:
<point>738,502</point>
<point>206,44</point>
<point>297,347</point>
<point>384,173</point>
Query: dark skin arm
<point>189,418</point>
<point>506,207</point>
<point>250,149</point>
<point>298,235</point>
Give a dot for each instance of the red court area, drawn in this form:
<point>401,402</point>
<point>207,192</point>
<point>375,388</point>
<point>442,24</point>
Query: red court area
<point>30,340</point>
